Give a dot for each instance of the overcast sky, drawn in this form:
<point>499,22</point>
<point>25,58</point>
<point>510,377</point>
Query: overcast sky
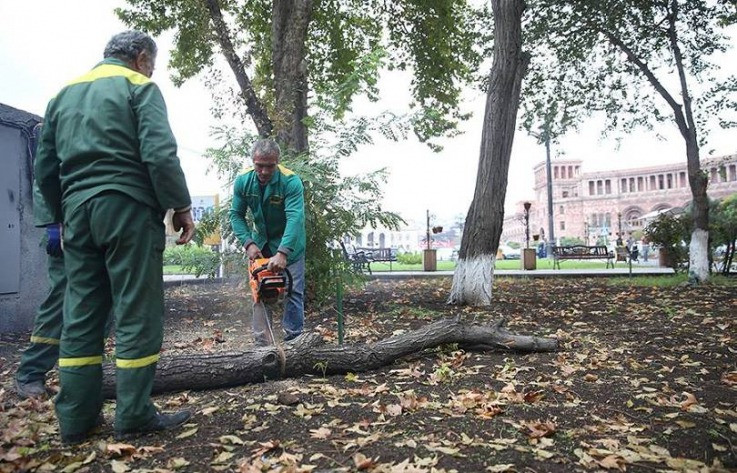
<point>45,43</point>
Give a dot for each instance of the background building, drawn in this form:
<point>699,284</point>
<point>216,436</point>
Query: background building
<point>597,205</point>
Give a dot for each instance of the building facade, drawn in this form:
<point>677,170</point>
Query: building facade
<point>596,205</point>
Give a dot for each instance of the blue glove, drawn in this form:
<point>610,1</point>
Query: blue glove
<point>53,233</point>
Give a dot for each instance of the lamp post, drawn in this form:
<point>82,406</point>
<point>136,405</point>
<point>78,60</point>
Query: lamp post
<point>527,206</point>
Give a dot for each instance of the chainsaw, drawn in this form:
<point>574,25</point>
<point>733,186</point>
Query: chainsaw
<point>267,287</point>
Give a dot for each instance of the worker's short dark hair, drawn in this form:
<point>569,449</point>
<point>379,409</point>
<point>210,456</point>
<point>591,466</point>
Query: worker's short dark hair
<point>127,45</point>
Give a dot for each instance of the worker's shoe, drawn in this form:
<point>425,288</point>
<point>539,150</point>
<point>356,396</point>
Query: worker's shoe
<point>75,439</point>
<point>157,423</point>
<point>30,390</point>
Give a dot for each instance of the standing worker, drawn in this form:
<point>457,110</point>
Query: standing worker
<point>275,197</point>
<point>107,164</point>
<point>43,352</point>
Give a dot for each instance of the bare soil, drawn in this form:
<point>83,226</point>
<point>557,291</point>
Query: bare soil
<point>645,380</point>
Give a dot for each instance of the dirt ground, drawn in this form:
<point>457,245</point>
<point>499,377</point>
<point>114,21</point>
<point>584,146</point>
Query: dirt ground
<point>645,380</point>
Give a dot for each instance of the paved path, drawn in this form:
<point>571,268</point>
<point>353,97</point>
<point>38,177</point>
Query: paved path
<point>174,279</point>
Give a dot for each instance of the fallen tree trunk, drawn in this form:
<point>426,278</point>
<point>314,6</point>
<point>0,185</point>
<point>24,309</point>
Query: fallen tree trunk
<point>308,355</point>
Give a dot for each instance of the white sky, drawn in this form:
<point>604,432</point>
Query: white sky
<point>45,43</point>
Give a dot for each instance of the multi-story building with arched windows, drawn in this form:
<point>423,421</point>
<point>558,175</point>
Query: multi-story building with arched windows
<point>590,205</point>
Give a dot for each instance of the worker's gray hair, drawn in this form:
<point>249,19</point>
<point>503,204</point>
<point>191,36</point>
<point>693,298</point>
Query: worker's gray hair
<point>266,147</point>
<point>127,45</point>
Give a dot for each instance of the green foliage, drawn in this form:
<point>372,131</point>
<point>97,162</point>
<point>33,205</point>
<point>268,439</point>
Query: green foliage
<point>349,42</point>
<point>579,66</point>
<point>193,257</point>
<point>569,241</point>
<point>409,258</point>
<point>669,233</point>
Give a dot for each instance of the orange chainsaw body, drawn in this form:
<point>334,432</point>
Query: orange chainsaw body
<point>267,286</point>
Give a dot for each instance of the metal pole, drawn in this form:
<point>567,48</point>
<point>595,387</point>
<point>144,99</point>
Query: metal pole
<point>339,305</point>
<point>551,226</point>
<point>428,229</point>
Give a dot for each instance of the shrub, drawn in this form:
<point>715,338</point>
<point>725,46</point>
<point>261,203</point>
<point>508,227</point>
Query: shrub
<point>668,233</point>
<point>409,258</point>
<point>194,258</point>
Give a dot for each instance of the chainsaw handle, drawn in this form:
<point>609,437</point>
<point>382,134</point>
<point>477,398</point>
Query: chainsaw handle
<point>264,267</point>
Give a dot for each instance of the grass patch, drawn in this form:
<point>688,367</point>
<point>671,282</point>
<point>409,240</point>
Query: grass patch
<point>542,263</point>
<point>669,280</point>
<point>175,269</point>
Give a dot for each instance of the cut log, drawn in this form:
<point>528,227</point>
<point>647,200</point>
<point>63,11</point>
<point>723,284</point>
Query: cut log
<point>309,355</point>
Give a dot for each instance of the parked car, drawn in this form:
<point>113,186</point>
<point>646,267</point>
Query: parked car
<point>507,252</point>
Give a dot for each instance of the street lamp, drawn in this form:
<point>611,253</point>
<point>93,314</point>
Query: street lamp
<point>527,206</point>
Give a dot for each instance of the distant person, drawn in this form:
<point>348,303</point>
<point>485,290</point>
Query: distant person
<point>275,197</point>
<point>107,167</point>
<point>645,249</point>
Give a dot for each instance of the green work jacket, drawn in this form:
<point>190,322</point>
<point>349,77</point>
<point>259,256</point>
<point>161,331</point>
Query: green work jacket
<point>108,131</point>
<point>278,211</point>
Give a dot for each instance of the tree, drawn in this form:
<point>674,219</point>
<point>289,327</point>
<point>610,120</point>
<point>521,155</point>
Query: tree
<point>637,61</point>
<point>299,64</point>
<point>473,277</point>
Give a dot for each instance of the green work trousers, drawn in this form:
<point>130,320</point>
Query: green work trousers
<point>41,355</point>
<point>113,249</point>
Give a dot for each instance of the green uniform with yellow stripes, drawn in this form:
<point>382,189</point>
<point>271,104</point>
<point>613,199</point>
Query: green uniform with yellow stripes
<point>107,164</point>
<point>41,355</point>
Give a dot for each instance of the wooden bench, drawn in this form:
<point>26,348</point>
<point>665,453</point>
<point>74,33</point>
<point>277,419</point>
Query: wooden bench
<point>582,252</point>
<point>379,255</point>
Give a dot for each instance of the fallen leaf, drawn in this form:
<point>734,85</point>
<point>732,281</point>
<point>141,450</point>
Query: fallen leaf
<point>187,433</point>
<point>119,466</point>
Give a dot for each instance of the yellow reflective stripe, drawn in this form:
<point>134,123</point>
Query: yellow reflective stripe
<point>285,171</point>
<point>247,169</point>
<point>46,340</point>
<point>82,361</point>
<point>112,70</point>
<point>137,362</point>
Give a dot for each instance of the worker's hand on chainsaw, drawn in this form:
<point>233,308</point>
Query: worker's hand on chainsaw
<point>277,263</point>
<point>253,252</point>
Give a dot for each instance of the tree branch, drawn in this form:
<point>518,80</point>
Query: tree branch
<point>254,106</point>
<point>680,119</point>
<point>673,37</point>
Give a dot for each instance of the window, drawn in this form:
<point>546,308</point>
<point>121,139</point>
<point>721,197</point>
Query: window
<point>623,186</point>
<point>607,186</point>
<point>564,194</point>
<point>732,172</point>
<point>562,225</point>
<point>591,187</point>
<point>640,184</point>
<point>652,183</point>
<point>608,220</point>
<point>682,179</point>
<point>599,187</point>
<point>632,184</point>
<point>669,180</point>
<point>661,182</point>
<point>555,172</point>
<point>570,172</point>
<point>562,210</point>
<point>714,175</point>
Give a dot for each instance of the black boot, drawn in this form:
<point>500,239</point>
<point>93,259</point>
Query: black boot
<point>157,423</point>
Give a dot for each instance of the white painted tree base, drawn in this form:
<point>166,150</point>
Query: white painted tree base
<point>698,259</point>
<point>472,281</point>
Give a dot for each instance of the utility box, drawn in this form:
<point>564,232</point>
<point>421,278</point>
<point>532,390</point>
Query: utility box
<point>23,279</point>
<point>528,259</point>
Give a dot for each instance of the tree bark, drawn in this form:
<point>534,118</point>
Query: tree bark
<point>308,355</point>
<point>289,27</point>
<point>254,106</point>
<point>474,273</point>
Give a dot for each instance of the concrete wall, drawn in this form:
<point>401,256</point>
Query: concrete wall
<point>18,309</point>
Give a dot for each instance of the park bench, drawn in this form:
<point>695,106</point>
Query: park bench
<point>582,252</point>
<point>379,255</point>
<point>358,260</point>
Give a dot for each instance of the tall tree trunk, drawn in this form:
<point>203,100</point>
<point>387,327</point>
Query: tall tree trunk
<point>474,272</point>
<point>698,251</point>
<point>289,27</point>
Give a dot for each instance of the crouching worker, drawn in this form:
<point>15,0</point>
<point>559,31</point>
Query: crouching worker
<point>275,197</point>
<point>107,167</point>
